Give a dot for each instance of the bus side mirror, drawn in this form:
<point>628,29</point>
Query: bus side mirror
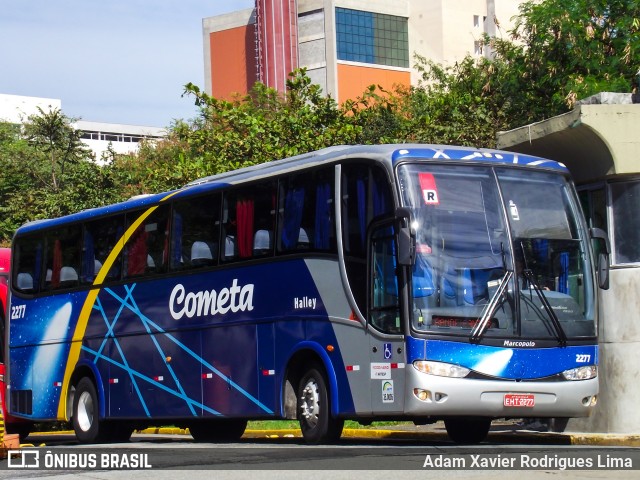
<point>603,271</point>
<point>406,237</point>
<point>406,247</point>
<point>603,257</point>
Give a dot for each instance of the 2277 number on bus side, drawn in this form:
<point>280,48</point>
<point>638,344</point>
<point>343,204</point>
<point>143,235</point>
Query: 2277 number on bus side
<point>519,400</point>
<point>18,311</point>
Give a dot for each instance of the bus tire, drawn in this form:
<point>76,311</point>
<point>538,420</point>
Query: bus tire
<point>225,430</point>
<point>21,429</point>
<point>120,431</point>
<point>314,409</point>
<point>86,414</point>
<point>467,431</point>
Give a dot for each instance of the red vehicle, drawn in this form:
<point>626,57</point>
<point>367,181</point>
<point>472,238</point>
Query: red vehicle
<point>12,424</point>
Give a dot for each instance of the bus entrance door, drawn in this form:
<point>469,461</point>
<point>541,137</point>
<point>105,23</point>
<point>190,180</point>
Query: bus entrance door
<point>387,356</point>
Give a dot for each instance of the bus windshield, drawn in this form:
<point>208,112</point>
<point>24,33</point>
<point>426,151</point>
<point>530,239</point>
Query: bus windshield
<point>498,254</point>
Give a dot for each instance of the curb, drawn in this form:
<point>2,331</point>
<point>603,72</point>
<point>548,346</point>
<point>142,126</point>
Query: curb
<point>521,436</point>
<point>545,438</point>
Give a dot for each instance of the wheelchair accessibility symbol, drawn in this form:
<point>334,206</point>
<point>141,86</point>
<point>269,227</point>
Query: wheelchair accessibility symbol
<point>387,351</point>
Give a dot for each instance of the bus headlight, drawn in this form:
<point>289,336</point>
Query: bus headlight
<point>441,369</point>
<point>581,373</point>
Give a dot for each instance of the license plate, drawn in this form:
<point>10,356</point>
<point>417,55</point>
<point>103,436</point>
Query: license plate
<point>519,400</point>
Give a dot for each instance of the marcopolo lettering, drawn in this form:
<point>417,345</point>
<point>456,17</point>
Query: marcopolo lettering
<point>210,302</point>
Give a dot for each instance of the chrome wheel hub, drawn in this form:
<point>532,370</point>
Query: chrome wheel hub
<point>310,403</point>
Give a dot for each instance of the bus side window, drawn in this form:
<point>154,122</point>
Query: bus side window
<point>365,195</point>
<point>249,221</point>
<point>306,212</point>
<point>195,232</point>
<point>384,312</point>
<point>63,258</point>
<point>27,270</point>
<point>100,238</point>
<point>147,250</point>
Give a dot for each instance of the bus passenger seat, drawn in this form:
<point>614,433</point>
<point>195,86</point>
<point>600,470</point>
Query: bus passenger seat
<point>68,277</point>
<point>201,254</point>
<point>230,246</point>
<point>24,282</point>
<point>303,239</point>
<point>261,242</point>
<point>423,284</point>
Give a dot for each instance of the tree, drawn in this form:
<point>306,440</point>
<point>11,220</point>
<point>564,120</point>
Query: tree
<point>47,172</point>
<point>52,134</point>
<point>562,52</point>
<point>566,51</point>
<point>267,125</point>
<point>261,126</point>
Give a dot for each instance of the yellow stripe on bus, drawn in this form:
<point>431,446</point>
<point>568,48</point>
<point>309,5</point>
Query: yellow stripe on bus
<point>83,319</point>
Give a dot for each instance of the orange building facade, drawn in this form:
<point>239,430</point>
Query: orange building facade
<point>353,80</point>
<point>345,45</point>
<point>234,69</point>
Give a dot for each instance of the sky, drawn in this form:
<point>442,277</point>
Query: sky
<point>114,61</point>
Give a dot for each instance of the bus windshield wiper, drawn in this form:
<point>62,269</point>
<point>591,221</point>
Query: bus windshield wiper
<point>560,335</point>
<point>481,326</point>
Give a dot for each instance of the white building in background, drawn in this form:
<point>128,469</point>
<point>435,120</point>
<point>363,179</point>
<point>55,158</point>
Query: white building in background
<point>17,109</point>
<point>97,136</point>
<point>122,138</point>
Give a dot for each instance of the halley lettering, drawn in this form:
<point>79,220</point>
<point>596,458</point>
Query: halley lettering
<point>210,302</point>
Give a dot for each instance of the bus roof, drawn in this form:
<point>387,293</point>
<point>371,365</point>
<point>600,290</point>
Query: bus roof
<point>390,152</point>
<point>396,152</point>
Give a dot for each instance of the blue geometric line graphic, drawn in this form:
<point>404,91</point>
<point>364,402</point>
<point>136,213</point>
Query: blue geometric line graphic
<point>129,302</point>
<point>212,368</point>
<point>152,382</point>
<point>162,354</point>
<point>110,327</point>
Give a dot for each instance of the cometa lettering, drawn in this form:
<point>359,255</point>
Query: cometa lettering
<point>210,302</point>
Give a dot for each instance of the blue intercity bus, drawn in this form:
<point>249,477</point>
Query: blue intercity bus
<point>389,282</point>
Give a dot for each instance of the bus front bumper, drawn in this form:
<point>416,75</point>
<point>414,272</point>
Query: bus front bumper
<point>434,396</point>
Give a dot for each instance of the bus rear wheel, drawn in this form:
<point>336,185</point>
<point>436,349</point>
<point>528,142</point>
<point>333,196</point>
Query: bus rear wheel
<point>314,412</point>
<point>467,430</point>
<point>227,430</point>
<point>120,432</point>
<point>21,429</point>
<point>86,414</point>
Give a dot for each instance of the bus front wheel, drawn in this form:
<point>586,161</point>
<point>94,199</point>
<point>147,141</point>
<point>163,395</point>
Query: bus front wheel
<point>314,412</point>
<point>467,430</point>
<point>86,414</point>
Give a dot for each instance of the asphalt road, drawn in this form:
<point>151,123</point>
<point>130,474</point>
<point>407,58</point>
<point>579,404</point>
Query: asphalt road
<point>265,455</point>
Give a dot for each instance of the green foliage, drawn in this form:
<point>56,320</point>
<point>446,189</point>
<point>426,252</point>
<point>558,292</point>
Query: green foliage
<point>266,125</point>
<point>461,104</point>
<point>262,126</point>
<point>571,50</point>
<point>46,172</point>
